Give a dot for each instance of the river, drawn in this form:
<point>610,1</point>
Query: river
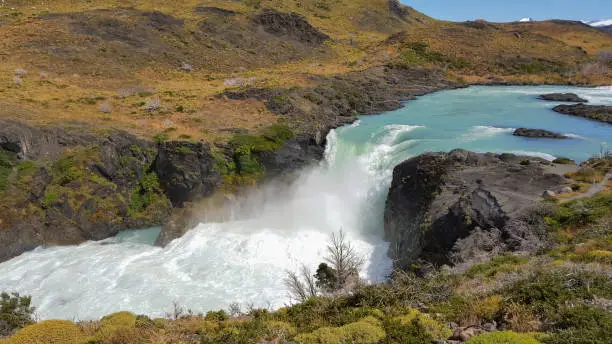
<point>245,261</point>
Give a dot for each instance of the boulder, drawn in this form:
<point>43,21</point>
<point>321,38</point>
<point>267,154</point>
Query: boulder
<point>538,133</point>
<point>563,97</point>
<point>187,171</point>
<point>437,199</point>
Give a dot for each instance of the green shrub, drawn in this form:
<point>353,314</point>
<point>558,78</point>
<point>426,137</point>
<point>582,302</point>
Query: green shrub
<point>503,337</point>
<point>582,325</point>
<point>564,161</point>
<point>6,167</point>
<point>548,292</point>
<point>15,312</point>
<point>66,170</point>
<point>499,264</point>
<point>421,323</point>
<point>50,331</point>
<point>365,331</point>
<point>160,137</point>
<point>581,212</point>
<point>220,315</point>
<point>525,162</point>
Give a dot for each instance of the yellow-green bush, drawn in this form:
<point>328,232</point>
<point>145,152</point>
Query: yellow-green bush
<point>488,307</point>
<point>365,331</point>
<point>50,331</point>
<point>120,319</point>
<point>504,337</point>
<point>435,329</point>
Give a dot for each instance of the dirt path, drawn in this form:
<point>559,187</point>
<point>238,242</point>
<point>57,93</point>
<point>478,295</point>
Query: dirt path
<point>593,189</point>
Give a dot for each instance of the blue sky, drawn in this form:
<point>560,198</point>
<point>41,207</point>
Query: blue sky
<point>510,10</point>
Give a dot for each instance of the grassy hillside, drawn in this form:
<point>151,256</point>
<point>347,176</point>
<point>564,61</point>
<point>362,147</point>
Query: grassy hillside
<point>105,62</point>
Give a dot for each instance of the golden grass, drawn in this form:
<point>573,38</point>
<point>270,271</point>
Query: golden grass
<point>359,31</point>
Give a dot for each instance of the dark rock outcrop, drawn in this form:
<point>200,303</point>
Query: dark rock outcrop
<point>398,9</point>
<point>563,97</point>
<point>538,133</point>
<point>291,25</point>
<point>186,171</point>
<point>595,112</point>
<point>437,199</point>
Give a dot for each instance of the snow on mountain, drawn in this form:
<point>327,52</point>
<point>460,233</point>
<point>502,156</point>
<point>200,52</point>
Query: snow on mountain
<point>527,19</point>
<point>600,23</point>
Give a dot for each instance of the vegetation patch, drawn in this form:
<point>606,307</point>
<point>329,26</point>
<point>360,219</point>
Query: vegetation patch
<point>7,161</point>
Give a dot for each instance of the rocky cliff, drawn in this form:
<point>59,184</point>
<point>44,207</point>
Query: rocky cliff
<point>437,199</point>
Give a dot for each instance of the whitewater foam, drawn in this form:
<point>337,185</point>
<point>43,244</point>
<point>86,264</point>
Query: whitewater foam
<point>214,264</point>
<point>542,155</point>
<point>481,132</point>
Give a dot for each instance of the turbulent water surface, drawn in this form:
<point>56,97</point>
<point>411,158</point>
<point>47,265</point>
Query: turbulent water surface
<point>245,261</point>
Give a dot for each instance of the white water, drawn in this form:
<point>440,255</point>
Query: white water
<point>217,263</point>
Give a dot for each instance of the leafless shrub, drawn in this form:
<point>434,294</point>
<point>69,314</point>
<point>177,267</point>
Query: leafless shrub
<point>43,75</point>
<point>478,247</point>
<point>235,309</point>
<point>240,82</point>
<point>529,231</point>
<point>594,69</point>
<point>300,287</point>
<point>519,318</point>
<point>106,107</point>
<point>17,81</point>
<point>134,90</point>
<point>605,56</point>
<point>153,104</point>
<point>20,72</point>
<point>187,67</point>
<point>177,311</point>
<point>343,258</point>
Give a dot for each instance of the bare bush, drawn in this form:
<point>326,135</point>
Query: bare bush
<point>134,90</point>
<point>43,76</point>
<point>594,69</point>
<point>240,82</point>
<point>20,72</point>
<point>153,104</point>
<point>17,81</point>
<point>478,247</point>
<point>187,67</point>
<point>106,107</point>
<point>343,258</point>
<point>300,287</point>
<point>605,56</point>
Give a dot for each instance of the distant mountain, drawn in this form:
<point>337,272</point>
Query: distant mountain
<point>600,23</point>
<point>527,19</point>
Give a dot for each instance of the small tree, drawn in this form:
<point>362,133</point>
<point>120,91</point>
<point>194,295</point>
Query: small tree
<point>343,259</point>
<point>339,271</point>
<point>15,312</point>
<point>302,286</point>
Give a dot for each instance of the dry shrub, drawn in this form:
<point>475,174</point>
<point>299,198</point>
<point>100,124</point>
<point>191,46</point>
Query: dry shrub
<point>519,318</point>
<point>594,69</point>
<point>480,246</point>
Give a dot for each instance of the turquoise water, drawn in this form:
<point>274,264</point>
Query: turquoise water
<point>245,261</point>
<point>481,119</point>
<point>140,236</point>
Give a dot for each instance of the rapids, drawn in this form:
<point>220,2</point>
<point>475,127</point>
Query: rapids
<point>245,261</point>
